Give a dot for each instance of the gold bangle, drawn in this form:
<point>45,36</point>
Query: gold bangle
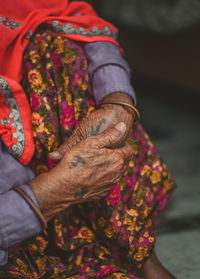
<point>32,206</point>
<point>136,112</point>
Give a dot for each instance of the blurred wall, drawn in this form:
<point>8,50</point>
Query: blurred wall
<point>174,60</point>
<point>164,16</point>
<point>161,38</point>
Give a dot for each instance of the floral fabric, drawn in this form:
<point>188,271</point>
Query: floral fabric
<point>113,237</point>
<point>76,20</point>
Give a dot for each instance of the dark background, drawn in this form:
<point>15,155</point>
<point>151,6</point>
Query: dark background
<point>162,45</point>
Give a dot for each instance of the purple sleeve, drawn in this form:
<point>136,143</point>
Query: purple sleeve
<point>109,72</point>
<point>17,221</point>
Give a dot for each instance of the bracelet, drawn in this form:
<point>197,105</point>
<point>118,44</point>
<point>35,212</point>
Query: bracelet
<point>32,206</point>
<point>136,112</point>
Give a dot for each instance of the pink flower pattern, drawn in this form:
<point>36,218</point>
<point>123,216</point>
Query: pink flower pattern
<point>110,238</point>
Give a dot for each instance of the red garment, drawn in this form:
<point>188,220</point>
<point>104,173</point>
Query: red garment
<point>76,20</point>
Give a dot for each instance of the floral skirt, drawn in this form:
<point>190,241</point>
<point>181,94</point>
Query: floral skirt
<point>111,238</point>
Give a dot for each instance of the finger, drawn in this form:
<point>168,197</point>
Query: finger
<point>60,152</point>
<point>126,152</point>
<point>55,156</point>
<point>102,193</point>
<point>111,136</point>
<point>66,146</point>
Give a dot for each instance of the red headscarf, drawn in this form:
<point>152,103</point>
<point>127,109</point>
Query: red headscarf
<point>76,20</point>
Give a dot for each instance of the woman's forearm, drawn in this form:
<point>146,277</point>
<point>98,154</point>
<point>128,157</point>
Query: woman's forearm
<point>109,72</point>
<point>17,220</point>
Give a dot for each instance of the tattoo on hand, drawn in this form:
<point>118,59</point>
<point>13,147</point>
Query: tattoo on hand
<point>82,193</point>
<point>96,131</point>
<point>78,160</point>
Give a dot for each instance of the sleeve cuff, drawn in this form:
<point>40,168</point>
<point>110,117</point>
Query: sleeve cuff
<point>110,79</point>
<point>27,189</point>
<point>109,72</point>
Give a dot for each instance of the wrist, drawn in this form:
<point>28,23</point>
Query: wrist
<point>46,189</point>
<point>113,101</point>
<point>123,100</point>
<point>118,96</point>
<point>39,188</point>
<point>32,205</point>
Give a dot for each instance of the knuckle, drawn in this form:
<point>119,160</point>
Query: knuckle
<point>120,159</point>
<point>92,141</point>
<point>122,166</point>
<point>118,179</point>
<point>121,169</point>
<point>117,163</point>
<point>81,133</point>
<point>109,138</point>
<point>128,152</point>
<point>65,147</point>
<point>114,180</point>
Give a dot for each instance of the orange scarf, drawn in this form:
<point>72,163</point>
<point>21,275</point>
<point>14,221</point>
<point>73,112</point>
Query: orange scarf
<point>76,20</point>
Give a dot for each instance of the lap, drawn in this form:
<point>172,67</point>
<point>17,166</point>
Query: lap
<point>96,237</point>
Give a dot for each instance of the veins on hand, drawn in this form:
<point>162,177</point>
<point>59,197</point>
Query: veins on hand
<point>77,160</point>
<point>95,131</point>
<point>82,193</point>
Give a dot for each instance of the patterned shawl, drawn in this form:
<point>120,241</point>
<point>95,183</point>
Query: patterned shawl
<point>76,20</point>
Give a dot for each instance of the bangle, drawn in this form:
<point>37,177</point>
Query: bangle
<point>136,112</point>
<point>32,206</point>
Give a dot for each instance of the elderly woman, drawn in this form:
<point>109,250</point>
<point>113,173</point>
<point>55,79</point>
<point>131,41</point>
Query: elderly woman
<point>77,200</point>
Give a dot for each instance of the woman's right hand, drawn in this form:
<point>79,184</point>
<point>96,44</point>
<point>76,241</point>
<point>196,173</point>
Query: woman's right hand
<point>86,172</point>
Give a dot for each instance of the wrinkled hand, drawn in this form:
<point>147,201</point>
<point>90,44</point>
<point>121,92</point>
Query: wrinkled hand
<point>101,119</point>
<point>83,172</point>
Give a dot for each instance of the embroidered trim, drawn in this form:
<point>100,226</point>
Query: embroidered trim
<point>6,22</point>
<point>14,119</point>
<point>95,31</point>
<point>29,34</point>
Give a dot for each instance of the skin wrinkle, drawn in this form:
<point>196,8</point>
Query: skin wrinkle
<point>104,166</point>
<point>107,116</point>
<point>82,193</point>
<point>64,186</point>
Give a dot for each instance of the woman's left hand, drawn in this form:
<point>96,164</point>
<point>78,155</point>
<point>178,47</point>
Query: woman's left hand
<point>107,116</point>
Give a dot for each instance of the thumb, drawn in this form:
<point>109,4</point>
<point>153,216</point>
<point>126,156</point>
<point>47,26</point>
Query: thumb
<point>111,137</point>
<point>61,150</point>
<point>67,145</point>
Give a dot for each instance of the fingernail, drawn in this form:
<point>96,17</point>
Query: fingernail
<point>121,126</point>
<point>55,154</point>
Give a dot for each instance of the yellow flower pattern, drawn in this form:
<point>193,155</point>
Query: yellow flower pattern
<point>85,241</point>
